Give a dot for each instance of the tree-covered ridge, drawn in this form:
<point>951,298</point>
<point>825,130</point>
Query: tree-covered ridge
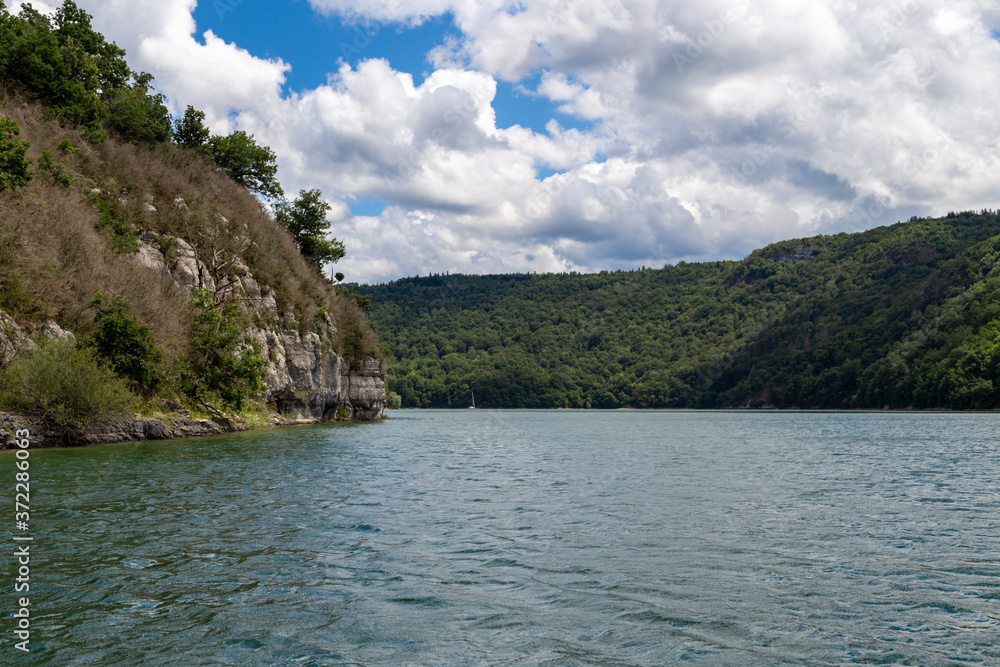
<point>900,316</point>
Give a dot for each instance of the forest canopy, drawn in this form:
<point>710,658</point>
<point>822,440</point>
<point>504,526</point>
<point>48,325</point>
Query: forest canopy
<point>900,316</point>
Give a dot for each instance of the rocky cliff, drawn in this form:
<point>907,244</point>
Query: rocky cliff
<point>305,377</point>
<point>147,225</point>
<point>307,381</point>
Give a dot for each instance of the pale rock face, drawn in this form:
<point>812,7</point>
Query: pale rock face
<point>308,382</point>
<point>189,271</point>
<point>247,282</point>
<point>366,391</point>
<point>13,341</point>
<point>52,331</point>
<point>149,254</point>
<point>304,376</point>
<point>269,304</point>
<point>250,286</point>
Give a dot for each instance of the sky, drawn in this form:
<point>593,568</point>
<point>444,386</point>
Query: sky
<point>488,136</point>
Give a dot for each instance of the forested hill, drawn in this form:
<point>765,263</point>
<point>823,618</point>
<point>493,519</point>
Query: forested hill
<point>900,316</point>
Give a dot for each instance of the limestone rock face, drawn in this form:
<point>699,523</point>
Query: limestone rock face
<point>189,271</point>
<point>310,382</point>
<point>13,340</point>
<point>149,254</point>
<point>366,391</point>
<point>305,377</point>
<point>52,331</point>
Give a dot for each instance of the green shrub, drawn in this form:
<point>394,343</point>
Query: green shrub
<point>66,147</point>
<point>393,401</point>
<point>125,345</point>
<point>58,173</point>
<point>65,386</point>
<point>122,239</point>
<point>14,167</point>
<point>223,361</point>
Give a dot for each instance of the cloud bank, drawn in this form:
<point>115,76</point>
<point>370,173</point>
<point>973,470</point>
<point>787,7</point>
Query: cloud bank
<point>712,127</point>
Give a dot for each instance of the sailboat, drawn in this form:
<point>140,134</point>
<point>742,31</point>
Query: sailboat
<point>473,406</point>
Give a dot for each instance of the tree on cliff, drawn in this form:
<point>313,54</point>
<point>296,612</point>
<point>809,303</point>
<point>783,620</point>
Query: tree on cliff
<point>223,362</point>
<point>305,219</point>
<point>138,114</point>
<point>248,164</point>
<point>190,130</point>
<point>83,79</point>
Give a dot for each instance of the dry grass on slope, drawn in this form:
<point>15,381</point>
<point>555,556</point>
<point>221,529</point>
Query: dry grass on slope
<point>55,256</point>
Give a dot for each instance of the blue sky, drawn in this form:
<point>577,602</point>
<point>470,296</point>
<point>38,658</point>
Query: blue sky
<point>490,136</point>
<point>315,44</point>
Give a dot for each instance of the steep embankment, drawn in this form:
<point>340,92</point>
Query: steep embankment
<point>152,226</point>
<point>900,316</point>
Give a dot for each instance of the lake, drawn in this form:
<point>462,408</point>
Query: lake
<point>528,537</point>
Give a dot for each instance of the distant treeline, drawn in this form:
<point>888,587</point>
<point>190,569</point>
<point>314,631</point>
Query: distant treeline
<point>900,316</point>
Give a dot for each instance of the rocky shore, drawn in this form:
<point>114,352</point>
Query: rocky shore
<point>133,429</point>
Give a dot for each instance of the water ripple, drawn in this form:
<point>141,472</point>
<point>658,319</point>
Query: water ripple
<point>556,538</point>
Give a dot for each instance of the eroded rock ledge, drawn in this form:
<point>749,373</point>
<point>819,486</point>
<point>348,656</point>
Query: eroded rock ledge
<point>134,429</point>
<point>129,430</point>
<point>306,381</point>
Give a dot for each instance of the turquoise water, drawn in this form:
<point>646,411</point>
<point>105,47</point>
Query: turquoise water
<point>556,538</point>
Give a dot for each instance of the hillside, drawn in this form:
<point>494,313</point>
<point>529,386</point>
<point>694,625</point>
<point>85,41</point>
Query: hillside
<point>175,287</point>
<point>904,316</point>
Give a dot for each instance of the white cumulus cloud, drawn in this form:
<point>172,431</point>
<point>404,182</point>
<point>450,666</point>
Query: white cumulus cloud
<point>707,128</point>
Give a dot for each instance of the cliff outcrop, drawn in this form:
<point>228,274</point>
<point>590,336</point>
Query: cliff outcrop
<point>143,228</point>
<point>305,378</point>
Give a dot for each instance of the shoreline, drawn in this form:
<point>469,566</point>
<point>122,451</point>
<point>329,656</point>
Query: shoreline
<point>171,426</point>
<point>877,411</point>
